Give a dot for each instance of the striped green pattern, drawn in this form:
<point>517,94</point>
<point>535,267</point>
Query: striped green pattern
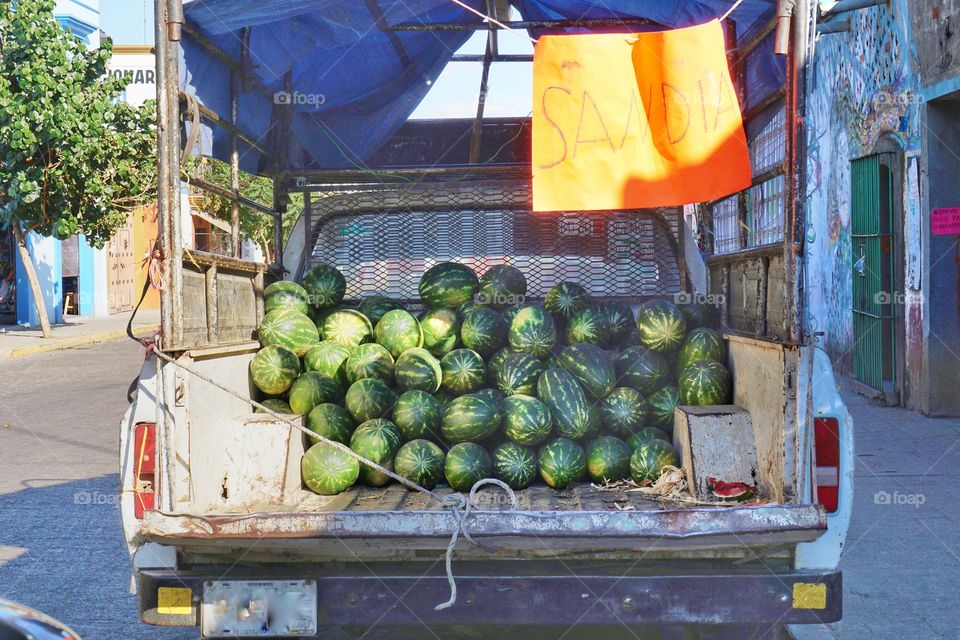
<point>368,399</point>
<point>567,402</point>
<point>624,411</point>
<point>526,420</point>
<point>661,325</point>
<point>484,330</point>
<point>420,461</point>
<point>347,327</point>
<point>416,368</point>
<point>641,368</point>
<point>562,462</point>
<point>514,464</point>
<point>311,389</point>
<point>471,418</point>
<point>417,415</point>
<point>331,421</point>
<point>519,373</point>
<point>466,463</point>
<point>587,325</point>
<point>648,460</point>
<point>565,299</point>
<point>273,369</point>
<point>370,360</point>
<point>327,470</point>
<point>441,331</point>
<point>532,331</point>
<point>592,367</point>
<point>608,459</point>
<point>330,359</point>
<point>325,285</point>
<point>378,441</point>
<point>285,294</point>
<point>448,284</point>
<point>288,328</point>
<point>398,331</point>
<point>704,382</point>
<point>701,344</point>
<point>463,371</point>
<point>662,404</point>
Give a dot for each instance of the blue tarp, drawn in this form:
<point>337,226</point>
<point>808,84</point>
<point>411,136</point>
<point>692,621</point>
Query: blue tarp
<point>354,82</point>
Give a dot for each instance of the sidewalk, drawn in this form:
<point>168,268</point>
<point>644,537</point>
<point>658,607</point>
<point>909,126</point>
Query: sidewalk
<point>901,563</point>
<point>76,331</point>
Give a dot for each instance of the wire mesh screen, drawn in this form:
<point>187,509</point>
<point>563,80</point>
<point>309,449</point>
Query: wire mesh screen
<point>768,148</point>
<point>383,241</point>
<point>765,204</point>
<point>726,226</point>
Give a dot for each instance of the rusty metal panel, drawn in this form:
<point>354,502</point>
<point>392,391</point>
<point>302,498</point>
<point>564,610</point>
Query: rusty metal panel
<point>776,299</point>
<point>745,295</point>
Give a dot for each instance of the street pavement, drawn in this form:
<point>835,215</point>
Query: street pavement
<point>61,548</point>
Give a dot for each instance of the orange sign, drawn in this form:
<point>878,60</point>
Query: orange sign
<point>627,121</point>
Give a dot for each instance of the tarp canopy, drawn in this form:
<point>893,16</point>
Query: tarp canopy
<point>354,81</point>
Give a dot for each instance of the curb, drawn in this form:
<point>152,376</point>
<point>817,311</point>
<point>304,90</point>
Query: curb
<point>79,341</point>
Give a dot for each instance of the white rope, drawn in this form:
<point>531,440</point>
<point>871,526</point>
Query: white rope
<point>515,32</point>
<point>731,10</point>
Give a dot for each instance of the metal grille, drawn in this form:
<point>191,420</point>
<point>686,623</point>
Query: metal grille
<point>726,226</point>
<point>765,212</point>
<point>383,241</point>
<point>768,148</point>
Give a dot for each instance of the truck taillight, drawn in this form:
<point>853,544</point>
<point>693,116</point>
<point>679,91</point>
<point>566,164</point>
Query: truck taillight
<point>145,478</point>
<point>826,434</point>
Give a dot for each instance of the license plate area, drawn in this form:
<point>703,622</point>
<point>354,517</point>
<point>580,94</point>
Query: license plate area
<point>258,609</point>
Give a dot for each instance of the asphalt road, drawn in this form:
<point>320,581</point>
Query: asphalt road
<point>61,547</point>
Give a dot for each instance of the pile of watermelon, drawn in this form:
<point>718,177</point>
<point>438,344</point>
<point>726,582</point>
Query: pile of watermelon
<point>470,386</point>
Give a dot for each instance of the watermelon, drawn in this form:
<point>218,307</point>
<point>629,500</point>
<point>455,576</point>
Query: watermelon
<point>273,369</point>
<point>662,404</point>
<point>562,462</point>
<point>532,331</point>
<point>288,328</point>
<point>311,389</point>
<point>704,382</point>
<point>398,331</point>
<point>514,464</point>
<point>277,405</point>
<point>420,461</point>
<point>347,327</point>
<point>471,418</point>
<point>618,321</point>
<point>417,369</point>
<point>325,285</point>
<point>648,460</point>
<point>374,307</point>
<point>698,314</point>
<point>661,325</point>
<point>526,419</point>
<point>495,362</point>
<point>587,326</point>
<point>417,415</point>
<point>501,286</point>
<point>565,398</point>
<point>463,371</point>
<point>441,331</point>
<point>701,344</point>
<point>510,312</point>
<point>330,421</point>
<point>519,373</point>
<point>330,359</point>
<point>466,464</point>
<point>327,470</point>
<point>591,366</point>
<point>284,294</point>
<point>608,459</point>
<point>448,284</point>
<point>484,330</point>
<point>641,368</point>
<point>624,411</point>
<point>378,441</point>
<point>492,395</point>
<point>646,434</point>
<point>466,309</point>
<point>368,399</point>
<point>370,360</point>
<point>565,299</point>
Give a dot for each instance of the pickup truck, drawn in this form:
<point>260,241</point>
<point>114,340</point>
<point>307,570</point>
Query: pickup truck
<point>224,537</point>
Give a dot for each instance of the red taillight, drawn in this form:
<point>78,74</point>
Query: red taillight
<point>145,478</point>
<point>826,434</point>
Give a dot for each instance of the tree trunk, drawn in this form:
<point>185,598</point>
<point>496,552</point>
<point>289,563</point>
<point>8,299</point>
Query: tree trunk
<point>27,260</point>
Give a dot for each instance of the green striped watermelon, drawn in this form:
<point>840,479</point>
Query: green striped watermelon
<point>398,331</point>
<point>378,441</point>
<point>565,398</point>
<point>448,284</point>
<point>591,366</point>
<point>514,464</point>
<point>277,405</point>
<point>325,285</point>
<point>526,419</point>
<point>608,459</point>
<point>501,286</point>
<point>374,307</point>
<point>662,404</point>
<point>463,371</point>
<point>491,395</point>
<point>311,389</point>
<point>619,322</point>
<point>519,373</point>
<point>641,368</point>
<point>495,362</point>
<point>330,421</point>
<point>471,418</point>
<point>532,331</point>
<point>441,331</point>
<point>466,309</point>
<point>284,294</point>
<point>466,464</point>
<point>565,299</point>
<point>704,382</point>
<point>288,328</point>
<point>646,434</point>
<point>273,369</point>
<point>330,359</point>
<point>510,313</point>
<point>327,470</point>
<point>417,414</point>
<point>562,462</point>
<point>649,459</point>
<point>420,461</point>
<point>701,344</point>
<point>418,369</point>
<point>484,330</point>
<point>661,325</point>
<point>587,326</point>
<point>370,360</point>
<point>347,327</point>
<point>368,399</point>
<point>624,411</point>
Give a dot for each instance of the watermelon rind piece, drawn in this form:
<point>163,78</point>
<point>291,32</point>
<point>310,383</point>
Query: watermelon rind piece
<point>565,299</point>
<point>501,286</point>
<point>370,360</point>
<point>347,327</point>
<point>325,285</point>
<point>648,460</point>
<point>331,421</point>
<point>284,294</point>
<point>641,368</point>
<point>417,415</point>
<point>273,369</point>
<point>704,382</point>
<point>471,418</point>
<point>416,368</point>
<point>591,366</point>
<point>377,440</point>
<point>519,373</point>
<point>448,284</point>
<point>526,420</point>
<point>369,399</point>
<point>463,371</point>
<point>661,325</point>
<point>532,331</point>
<point>288,328</point>
<point>562,462</point>
<point>608,459</point>
<point>484,330</point>
<point>624,411</point>
<point>567,401</point>
<point>327,470</point>
<point>441,331</point>
<point>466,464</point>
<point>515,464</point>
<point>398,331</point>
<point>645,435</point>
<point>420,461</point>
<point>701,344</point>
<point>662,404</point>
<point>310,389</point>
<point>330,359</point>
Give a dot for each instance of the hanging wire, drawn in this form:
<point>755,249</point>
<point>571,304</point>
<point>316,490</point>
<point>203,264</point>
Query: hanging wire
<point>516,32</point>
<point>731,10</point>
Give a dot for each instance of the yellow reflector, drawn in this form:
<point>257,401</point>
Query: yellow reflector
<point>809,596</point>
<point>174,601</point>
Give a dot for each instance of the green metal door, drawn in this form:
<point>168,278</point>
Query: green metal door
<point>873,294</point>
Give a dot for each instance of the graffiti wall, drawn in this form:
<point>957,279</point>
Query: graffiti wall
<point>862,98</point>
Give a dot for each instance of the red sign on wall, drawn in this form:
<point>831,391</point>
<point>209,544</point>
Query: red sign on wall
<point>945,222</point>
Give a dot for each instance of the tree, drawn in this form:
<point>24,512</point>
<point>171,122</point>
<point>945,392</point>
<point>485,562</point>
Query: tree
<point>74,158</point>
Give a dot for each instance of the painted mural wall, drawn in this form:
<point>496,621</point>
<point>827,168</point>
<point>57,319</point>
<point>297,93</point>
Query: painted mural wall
<point>862,97</point>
